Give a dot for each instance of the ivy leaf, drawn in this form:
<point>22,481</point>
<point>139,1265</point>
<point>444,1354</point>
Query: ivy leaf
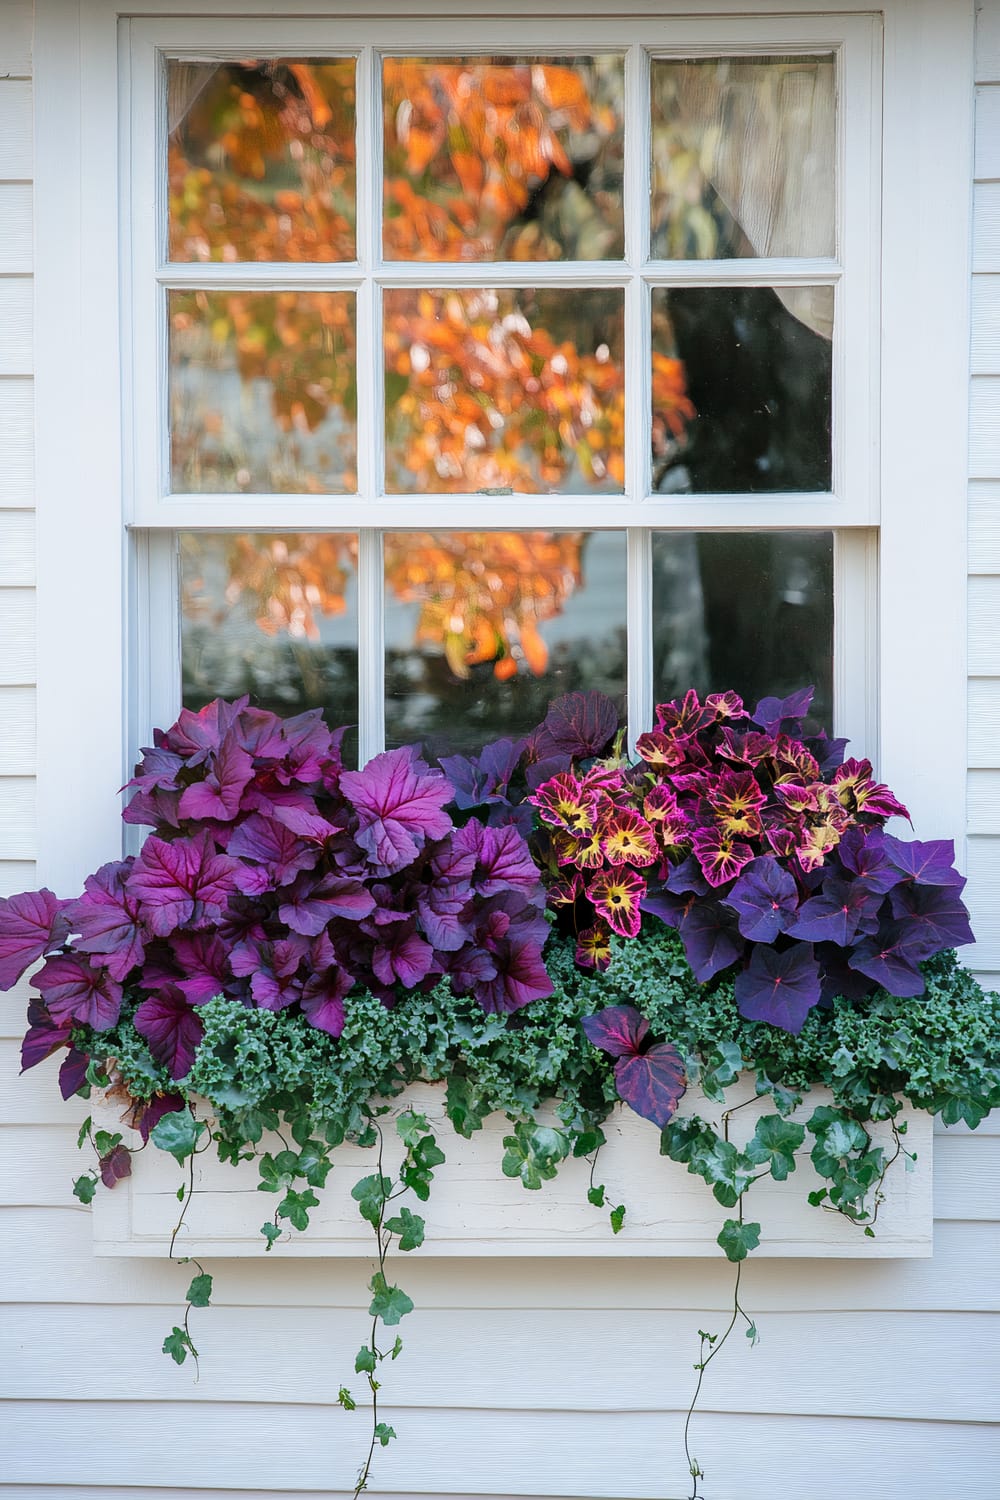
<point>199,1293</point>
<point>410,1127</point>
<point>384,1433</point>
<point>617,1217</point>
<point>83,1132</point>
<point>314,1164</point>
<point>778,1140</point>
<point>396,1349</point>
<point>364,1362</point>
<point>178,1345</point>
<point>737,1239</point>
<point>178,1133</point>
<point>85,1188</point>
<point>595,1195</point>
<point>462,1106</point>
<point>294,1207</point>
<point>346,1400</point>
<point>409,1227</point>
<point>389,1303</point>
<point>533,1153</point>
<point>370,1195</point>
<point>271,1232</point>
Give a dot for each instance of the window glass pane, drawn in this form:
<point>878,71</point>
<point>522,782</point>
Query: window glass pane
<point>275,617</point>
<point>744,153</point>
<point>493,389</point>
<point>261,160</point>
<point>742,389</point>
<point>484,629</point>
<point>752,611</point>
<point>263,392</point>
<point>503,159</point>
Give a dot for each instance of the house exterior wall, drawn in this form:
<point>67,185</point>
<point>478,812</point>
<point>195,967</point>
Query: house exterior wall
<point>545,1379</point>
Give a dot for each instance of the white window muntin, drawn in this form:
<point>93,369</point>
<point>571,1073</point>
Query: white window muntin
<point>853,500</point>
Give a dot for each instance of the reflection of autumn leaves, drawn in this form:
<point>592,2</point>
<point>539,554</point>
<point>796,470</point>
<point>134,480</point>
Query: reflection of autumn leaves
<point>482,595</point>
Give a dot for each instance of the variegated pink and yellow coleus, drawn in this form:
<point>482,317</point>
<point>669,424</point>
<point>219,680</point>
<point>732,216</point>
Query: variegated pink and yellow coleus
<point>761,844</point>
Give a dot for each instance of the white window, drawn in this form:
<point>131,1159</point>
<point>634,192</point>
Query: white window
<point>463,362</point>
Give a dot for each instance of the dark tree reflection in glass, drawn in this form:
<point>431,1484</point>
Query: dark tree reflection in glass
<point>484,629</point>
<point>752,611</point>
<point>272,616</point>
<point>757,364</point>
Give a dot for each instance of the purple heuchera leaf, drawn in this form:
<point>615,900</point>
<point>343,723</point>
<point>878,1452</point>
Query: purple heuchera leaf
<point>73,990</point>
<point>711,939</point>
<point>322,999</point>
<point>115,1165</point>
<point>276,852</point>
<point>485,778</point>
<point>107,919</point>
<point>618,1030</point>
<point>311,904</point>
<point>196,735</point>
<point>30,925</point>
<point>929,863</point>
<point>779,987</point>
<point>44,1035</point>
<point>503,861</point>
<point>181,883</point>
<point>578,724</point>
<point>842,909</point>
<point>73,1073</point>
<point>218,796</point>
<point>652,1084</point>
<point>173,1029</point>
<point>399,802</point>
<point>402,956</point>
<point>765,898</point>
<point>201,958</point>
<point>649,1078</point>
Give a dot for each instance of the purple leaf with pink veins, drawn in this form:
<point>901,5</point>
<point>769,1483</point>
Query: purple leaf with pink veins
<point>73,1073</point>
<point>399,802</point>
<point>618,1030</point>
<point>30,925</point>
<point>323,997</point>
<point>929,863</point>
<point>74,991</point>
<point>765,899</point>
<point>181,883</point>
<point>649,1076</point>
<point>406,957</point>
<point>278,853</point>
<point>503,861</point>
<point>311,904</point>
<point>172,1028</point>
<point>218,796</point>
<point>108,919</point>
<point>44,1035</point>
<point>779,987</point>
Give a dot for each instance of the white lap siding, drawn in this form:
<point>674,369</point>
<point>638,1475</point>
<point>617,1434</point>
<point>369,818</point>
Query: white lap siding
<point>553,1379</point>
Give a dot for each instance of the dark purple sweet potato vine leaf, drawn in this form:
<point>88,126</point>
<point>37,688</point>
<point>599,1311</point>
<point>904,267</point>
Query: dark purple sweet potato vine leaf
<point>649,1077</point>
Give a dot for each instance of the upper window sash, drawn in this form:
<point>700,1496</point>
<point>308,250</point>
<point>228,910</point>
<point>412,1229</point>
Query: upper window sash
<point>852,274</point>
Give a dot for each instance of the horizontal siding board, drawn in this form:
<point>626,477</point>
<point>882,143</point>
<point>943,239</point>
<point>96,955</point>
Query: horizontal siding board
<point>17,548</point>
<point>33,1099</point>
<point>13,1010</point>
<point>987,42</point>
<point>17,470</point>
<point>15,227</point>
<point>17,637</point>
<point>17,817</point>
<point>45,1256</point>
<point>984,527</point>
<point>985,348</point>
<point>872,1364</point>
<point>982,896</point>
<point>455,1452</point>
<point>16,319</point>
<point>16,875</point>
<point>983,802</point>
<point>984,427</point>
<point>988,132</point>
<point>984,627</point>
<point>984,724</point>
<point>15,38</point>
<point>986,227</point>
<point>966,1171</point>
<point>17,731</point>
<point>15,130</point>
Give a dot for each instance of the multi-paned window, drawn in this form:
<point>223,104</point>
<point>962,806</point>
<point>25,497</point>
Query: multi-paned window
<point>472,368</point>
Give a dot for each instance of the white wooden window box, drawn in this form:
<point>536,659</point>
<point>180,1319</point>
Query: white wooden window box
<point>475,1211</point>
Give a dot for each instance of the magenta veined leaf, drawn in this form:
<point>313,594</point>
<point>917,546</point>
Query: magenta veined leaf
<point>107,919</point>
<point>928,863</point>
<point>711,938</point>
<point>578,724</point>
<point>653,1083</point>
<point>116,1165</point>
<point>73,989</point>
<point>765,899</point>
<point>618,1030</point>
<point>44,1035</point>
<point>779,987</point>
<point>183,882</point>
<point>400,804</point>
<point>218,796</point>
<point>173,1029</point>
<point>31,924</point>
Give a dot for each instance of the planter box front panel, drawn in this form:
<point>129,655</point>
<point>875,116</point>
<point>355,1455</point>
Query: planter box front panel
<point>475,1211</point>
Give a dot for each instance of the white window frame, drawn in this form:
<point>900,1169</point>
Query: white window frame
<point>906,696</point>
